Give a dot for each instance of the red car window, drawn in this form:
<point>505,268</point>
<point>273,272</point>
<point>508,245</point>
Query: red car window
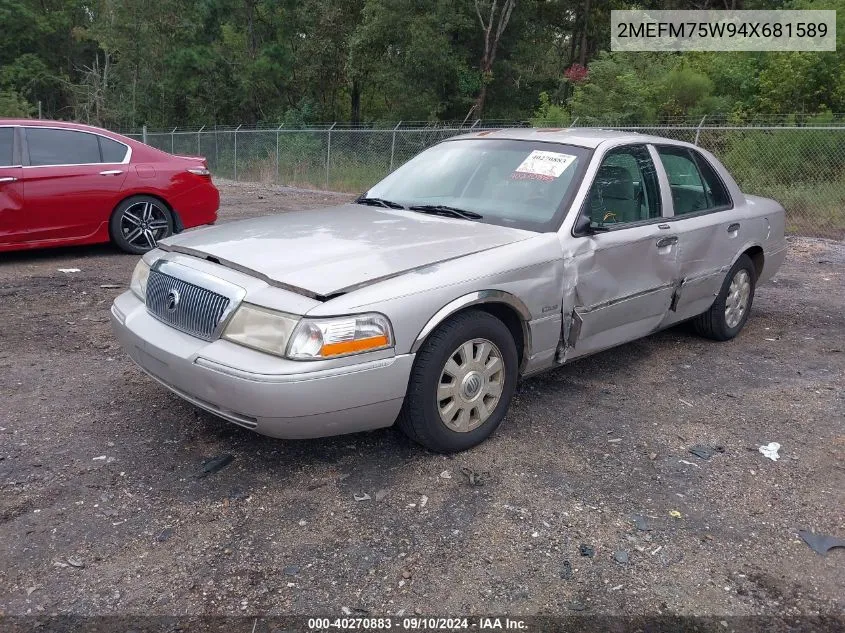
<point>61,147</point>
<point>112,151</point>
<point>7,143</point>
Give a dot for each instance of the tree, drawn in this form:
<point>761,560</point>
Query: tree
<point>125,63</point>
<point>13,105</point>
<point>412,59</point>
<point>492,30</point>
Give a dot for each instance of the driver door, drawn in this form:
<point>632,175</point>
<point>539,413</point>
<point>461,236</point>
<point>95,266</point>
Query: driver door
<point>627,266</point>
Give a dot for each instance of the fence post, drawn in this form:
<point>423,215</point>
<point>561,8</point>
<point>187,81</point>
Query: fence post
<point>278,167</point>
<point>236,152</point>
<point>199,146</point>
<point>698,130</point>
<point>144,134</point>
<point>393,144</point>
<point>216,151</point>
<point>329,153</point>
<point>172,138</point>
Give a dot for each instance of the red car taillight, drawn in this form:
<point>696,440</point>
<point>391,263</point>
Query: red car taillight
<point>200,171</point>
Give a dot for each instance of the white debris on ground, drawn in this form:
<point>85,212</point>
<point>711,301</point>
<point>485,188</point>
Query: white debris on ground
<point>770,450</point>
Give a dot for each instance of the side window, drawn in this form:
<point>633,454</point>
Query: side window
<point>61,147</point>
<point>713,185</point>
<point>112,151</point>
<point>695,185</point>
<point>7,146</point>
<point>625,189</point>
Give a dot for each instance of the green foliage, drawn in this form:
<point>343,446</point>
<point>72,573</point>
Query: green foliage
<point>682,89</point>
<point>623,88</point>
<point>776,156</point>
<point>13,105</point>
<point>125,63</point>
<point>549,113</point>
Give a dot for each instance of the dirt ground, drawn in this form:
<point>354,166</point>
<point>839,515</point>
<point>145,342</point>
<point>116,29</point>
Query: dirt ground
<point>104,509</point>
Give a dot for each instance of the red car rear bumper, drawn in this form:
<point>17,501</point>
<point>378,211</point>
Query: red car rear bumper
<point>197,206</point>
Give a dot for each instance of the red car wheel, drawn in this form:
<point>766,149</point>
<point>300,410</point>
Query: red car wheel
<point>139,223</point>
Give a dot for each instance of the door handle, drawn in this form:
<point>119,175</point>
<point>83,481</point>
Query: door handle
<point>667,241</point>
<point>9,179</point>
<point>111,172</point>
<point>733,227</point>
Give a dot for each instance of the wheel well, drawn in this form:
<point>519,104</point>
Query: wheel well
<point>510,317</point>
<point>756,255</point>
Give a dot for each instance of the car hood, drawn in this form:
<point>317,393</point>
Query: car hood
<point>325,252</point>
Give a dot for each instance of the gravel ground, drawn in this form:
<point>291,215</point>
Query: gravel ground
<point>104,509</point>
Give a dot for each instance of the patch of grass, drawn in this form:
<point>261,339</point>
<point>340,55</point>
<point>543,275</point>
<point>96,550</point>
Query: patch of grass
<point>812,208</point>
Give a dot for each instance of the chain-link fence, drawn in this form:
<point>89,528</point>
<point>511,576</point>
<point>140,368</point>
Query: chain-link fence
<point>803,167</point>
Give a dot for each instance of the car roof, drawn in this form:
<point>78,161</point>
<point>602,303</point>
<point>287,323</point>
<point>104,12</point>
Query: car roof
<point>47,123</point>
<point>70,125</point>
<point>581,137</point>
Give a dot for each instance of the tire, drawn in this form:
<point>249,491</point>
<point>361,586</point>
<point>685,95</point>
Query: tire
<point>442,367</point>
<point>729,312</point>
<point>139,222</point>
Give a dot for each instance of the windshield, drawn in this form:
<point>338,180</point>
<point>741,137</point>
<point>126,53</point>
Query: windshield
<point>523,184</point>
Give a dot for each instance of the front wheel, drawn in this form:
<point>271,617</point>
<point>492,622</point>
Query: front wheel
<point>138,223</point>
<point>730,310</point>
<point>461,384</point>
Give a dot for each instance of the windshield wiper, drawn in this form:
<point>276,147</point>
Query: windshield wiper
<point>442,209</point>
<point>379,202</point>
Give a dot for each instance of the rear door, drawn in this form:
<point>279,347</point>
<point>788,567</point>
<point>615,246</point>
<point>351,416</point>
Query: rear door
<point>627,267</point>
<point>709,232</point>
<point>11,187</point>
<point>69,188</point>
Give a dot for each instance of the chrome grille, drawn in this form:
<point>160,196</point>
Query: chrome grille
<point>197,311</point>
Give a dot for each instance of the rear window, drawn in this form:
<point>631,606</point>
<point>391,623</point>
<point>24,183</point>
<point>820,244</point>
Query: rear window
<point>61,147</point>
<point>718,192</point>
<point>695,185</point>
<point>7,144</point>
<point>112,151</point>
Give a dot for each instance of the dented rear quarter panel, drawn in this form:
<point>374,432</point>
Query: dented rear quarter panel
<point>774,224</point>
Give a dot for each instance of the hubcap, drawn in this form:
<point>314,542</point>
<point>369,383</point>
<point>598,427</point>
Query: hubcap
<point>736,302</point>
<point>143,224</point>
<point>470,385</point>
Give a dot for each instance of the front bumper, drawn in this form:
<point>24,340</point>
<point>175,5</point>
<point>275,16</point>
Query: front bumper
<point>284,400</point>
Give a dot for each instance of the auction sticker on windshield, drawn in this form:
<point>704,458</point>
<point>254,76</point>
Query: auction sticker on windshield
<point>541,165</point>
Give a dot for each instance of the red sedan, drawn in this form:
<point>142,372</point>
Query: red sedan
<point>65,183</point>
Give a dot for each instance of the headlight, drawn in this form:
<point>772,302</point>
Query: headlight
<point>138,285</point>
<point>260,328</point>
<point>339,336</point>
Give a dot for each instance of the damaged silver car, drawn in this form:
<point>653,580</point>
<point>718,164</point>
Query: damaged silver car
<point>490,256</point>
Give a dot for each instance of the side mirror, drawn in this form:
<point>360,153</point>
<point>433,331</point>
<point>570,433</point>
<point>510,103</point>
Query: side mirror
<point>582,225</point>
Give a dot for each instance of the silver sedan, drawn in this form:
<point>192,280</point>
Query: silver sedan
<point>490,256</point>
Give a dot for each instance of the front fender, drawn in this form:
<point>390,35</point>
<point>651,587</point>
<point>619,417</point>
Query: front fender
<point>476,298</point>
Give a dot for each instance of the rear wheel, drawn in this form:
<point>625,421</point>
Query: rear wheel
<point>139,223</point>
<point>461,384</point>
<point>730,310</point>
